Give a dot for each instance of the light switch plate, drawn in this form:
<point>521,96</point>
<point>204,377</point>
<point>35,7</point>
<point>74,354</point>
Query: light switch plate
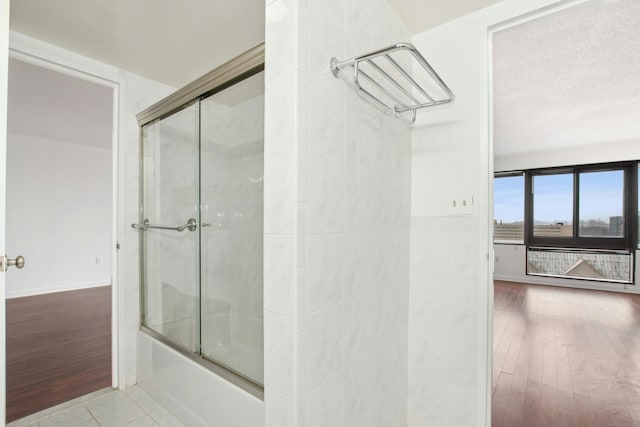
<point>460,205</point>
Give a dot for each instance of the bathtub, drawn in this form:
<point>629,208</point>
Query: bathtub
<point>195,395</point>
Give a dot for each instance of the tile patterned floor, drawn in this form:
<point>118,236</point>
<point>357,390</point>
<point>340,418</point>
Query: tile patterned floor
<point>105,408</point>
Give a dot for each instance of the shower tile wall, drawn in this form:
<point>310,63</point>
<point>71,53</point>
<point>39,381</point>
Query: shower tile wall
<point>337,207</point>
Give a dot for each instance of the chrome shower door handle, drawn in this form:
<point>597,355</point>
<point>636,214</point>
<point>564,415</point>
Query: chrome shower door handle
<point>191,225</point>
<point>5,262</point>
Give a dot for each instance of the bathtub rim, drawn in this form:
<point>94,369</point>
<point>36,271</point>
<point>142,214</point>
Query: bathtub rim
<point>237,379</point>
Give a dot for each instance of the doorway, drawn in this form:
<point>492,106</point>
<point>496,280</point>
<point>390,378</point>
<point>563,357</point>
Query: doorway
<point>560,354</point>
<point>60,217</point>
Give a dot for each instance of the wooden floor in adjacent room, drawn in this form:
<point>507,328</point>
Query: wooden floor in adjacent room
<point>565,357</point>
<point>58,348</point>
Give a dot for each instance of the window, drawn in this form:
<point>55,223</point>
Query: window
<point>578,222</point>
<point>508,211</point>
<point>589,206</point>
<point>602,204</point>
<point>553,205</point>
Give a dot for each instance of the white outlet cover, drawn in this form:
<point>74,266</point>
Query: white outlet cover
<point>460,205</point>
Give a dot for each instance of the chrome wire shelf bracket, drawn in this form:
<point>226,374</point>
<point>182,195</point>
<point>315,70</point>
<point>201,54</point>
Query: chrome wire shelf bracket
<point>191,225</point>
<point>401,93</point>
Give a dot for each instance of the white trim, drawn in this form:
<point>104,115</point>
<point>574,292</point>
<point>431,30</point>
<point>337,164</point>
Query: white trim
<point>55,289</point>
<point>66,62</point>
<point>577,284</point>
<point>507,242</point>
<point>4,49</point>
<point>544,8</point>
<point>485,227</point>
<point>118,375</point>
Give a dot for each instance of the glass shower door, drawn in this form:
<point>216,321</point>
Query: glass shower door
<point>232,158</point>
<point>170,227</point>
<point>202,228</point>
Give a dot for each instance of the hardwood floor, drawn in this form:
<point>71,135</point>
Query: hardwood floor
<point>565,357</point>
<point>58,348</point>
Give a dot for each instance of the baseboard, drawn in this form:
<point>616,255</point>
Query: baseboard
<point>577,284</point>
<point>53,289</point>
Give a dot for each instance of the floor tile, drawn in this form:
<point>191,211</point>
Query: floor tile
<point>115,411</point>
<point>145,421</point>
<point>166,419</point>
<point>109,403</point>
<point>146,402</point>
<point>21,423</point>
<point>34,419</point>
<point>113,408</point>
<point>72,417</point>
<point>91,423</point>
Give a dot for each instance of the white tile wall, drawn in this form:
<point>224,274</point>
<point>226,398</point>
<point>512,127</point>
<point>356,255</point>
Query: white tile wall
<point>443,320</point>
<point>341,328</point>
<point>450,292</point>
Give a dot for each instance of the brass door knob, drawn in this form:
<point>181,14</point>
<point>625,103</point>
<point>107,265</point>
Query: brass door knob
<point>8,262</point>
<point>18,262</point>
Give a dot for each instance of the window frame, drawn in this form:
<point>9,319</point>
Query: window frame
<point>510,174</point>
<point>630,208</point>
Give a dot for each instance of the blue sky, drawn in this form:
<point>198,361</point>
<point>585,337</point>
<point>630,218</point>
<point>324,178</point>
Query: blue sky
<point>600,198</point>
<point>508,199</point>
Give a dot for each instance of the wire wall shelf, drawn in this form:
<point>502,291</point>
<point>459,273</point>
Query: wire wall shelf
<point>385,77</point>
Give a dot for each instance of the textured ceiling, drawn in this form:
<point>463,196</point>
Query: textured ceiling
<point>49,104</point>
<point>570,78</point>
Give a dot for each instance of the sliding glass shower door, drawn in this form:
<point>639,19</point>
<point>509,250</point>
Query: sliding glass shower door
<point>232,157</point>
<point>170,199</point>
<point>202,221</point>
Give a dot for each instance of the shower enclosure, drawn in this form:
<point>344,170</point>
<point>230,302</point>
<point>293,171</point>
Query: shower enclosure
<point>201,220</point>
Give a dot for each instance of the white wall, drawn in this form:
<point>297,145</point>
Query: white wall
<point>451,292</point>
<point>58,214</point>
<point>337,188</point>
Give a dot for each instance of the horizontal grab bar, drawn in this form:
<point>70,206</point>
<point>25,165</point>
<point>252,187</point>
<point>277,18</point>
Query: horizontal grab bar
<point>191,225</point>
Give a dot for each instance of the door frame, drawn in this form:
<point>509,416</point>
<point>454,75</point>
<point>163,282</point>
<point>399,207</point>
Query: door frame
<point>4,58</point>
<point>50,57</point>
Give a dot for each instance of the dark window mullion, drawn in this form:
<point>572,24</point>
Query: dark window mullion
<point>528,207</point>
<point>576,206</point>
<point>631,205</point>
